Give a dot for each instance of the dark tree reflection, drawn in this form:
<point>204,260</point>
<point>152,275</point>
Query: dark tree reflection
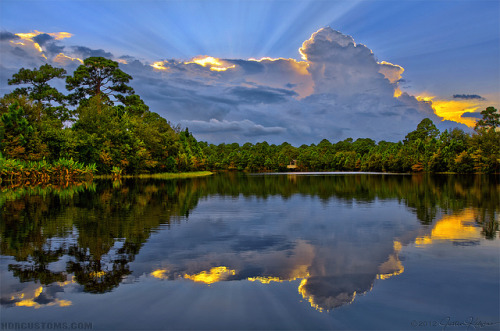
<point>97,231</point>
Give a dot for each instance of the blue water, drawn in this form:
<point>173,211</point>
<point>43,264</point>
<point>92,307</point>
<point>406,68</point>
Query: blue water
<point>285,252</point>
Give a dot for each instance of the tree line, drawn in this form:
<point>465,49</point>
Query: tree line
<point>423,150</point>
<point>102,125</point>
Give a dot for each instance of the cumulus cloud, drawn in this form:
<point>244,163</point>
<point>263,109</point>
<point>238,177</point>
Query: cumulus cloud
<point>255,95</point>
<point>340,66</point>
<point>7,36</point>
<point>338,90</point>
<point>85,52</point>
<point>42,38</point>
<point>467,96</point>
<point>30,49</point>
<point>473,115</point>
<point>392,72</point>
<point>48,44</point>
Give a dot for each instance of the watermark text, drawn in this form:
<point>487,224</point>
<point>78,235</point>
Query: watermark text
<point>46,326</point>
<point>448,323</point>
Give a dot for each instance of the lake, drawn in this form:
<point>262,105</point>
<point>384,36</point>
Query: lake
<point>253,251</point>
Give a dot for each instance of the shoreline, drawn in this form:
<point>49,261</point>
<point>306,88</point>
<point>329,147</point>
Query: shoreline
<point>164,175</point>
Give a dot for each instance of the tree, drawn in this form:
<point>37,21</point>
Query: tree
<point>40,91</point>
<point>363,145</point>
<point>48,136</point>
<point>425,131</point>
<point>15,132</point>
<point>490,120</point>
<point>485,142</point>
<point>99,77</point>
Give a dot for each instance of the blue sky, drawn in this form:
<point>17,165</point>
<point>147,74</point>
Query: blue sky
<point>446,48</point>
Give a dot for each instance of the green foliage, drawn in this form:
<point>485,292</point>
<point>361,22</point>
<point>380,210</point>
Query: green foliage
<point>98,77</point>
<point>39,90</point>
<point>15,123</point>
<point>42,171</point>
<point>423,150</point>
<point>135,143</point>
<point>490,120</point>
<point>116,171</point>
<point>425,131</point>
<point>116,132</point>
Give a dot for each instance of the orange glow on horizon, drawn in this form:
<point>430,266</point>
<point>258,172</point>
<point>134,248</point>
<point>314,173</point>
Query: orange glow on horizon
<point>452,110</point>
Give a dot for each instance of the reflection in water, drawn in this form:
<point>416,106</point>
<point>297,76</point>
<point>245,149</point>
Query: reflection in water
<point>214,275</point>
<point>160,274</point>
<point>392,267</point>
<point>300,272</point>
<point>333,235</point>
<point>457,228</point>
<point>35,296</point>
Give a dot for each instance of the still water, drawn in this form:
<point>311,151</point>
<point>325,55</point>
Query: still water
<point>234,251</point>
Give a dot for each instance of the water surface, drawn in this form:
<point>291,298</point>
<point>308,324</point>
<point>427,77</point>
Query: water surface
<point>284,251</point>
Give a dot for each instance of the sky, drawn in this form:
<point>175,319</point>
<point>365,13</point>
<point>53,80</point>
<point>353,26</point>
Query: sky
<point>295,71</point>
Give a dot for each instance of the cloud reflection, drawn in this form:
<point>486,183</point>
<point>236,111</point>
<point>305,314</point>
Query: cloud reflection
<point>331,274</point>
<point>332,237</point>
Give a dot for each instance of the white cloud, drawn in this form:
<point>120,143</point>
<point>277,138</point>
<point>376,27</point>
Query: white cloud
<point>340,66</point>
<point>392,72</point>
<point>339,90</point>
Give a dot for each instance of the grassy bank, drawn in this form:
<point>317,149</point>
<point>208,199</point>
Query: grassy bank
<point>43,171</point>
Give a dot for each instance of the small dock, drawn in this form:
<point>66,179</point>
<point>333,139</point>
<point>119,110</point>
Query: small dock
<point>292,165</point>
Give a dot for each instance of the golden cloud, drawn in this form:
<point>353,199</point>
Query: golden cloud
<point>27,39</point>
<point>64,59</point>
<point>159,65</point>
<point>27,297</point>
<point>299,66</point>
<point>452,110</point>
<point>393,266</point>
<point>392,72</point>
<point>160,274</point>
<point>55,35</point>
<point>213,63</point>
<point>458,226</point>
<point>211,276</point>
